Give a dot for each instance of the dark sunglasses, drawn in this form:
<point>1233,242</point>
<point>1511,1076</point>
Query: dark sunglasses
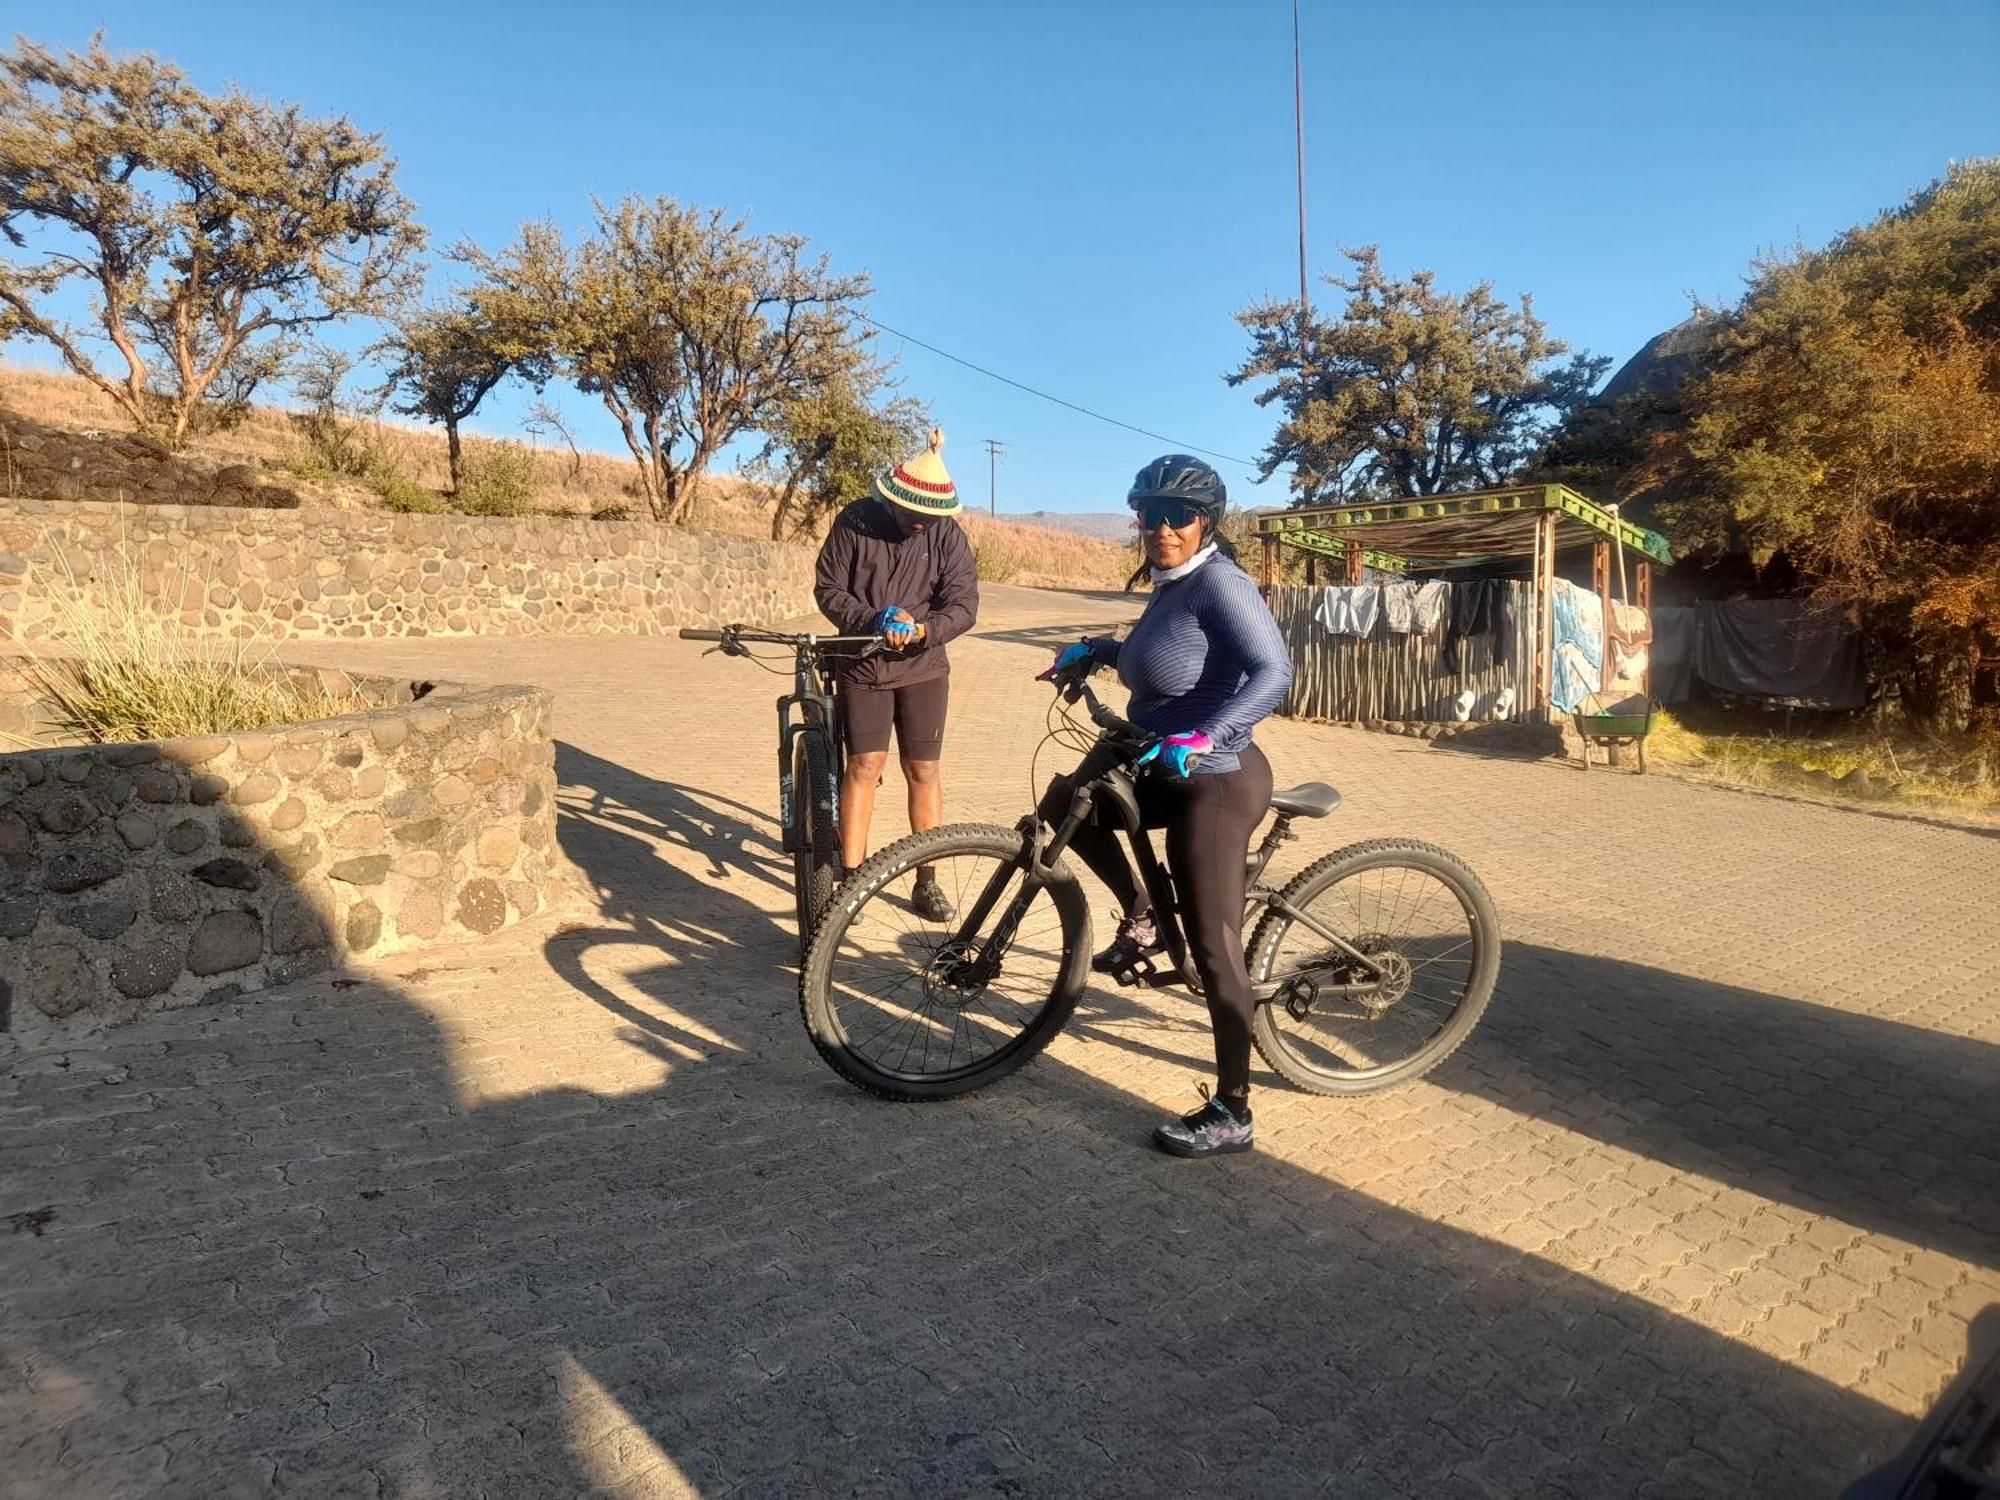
<point>1175,513</point>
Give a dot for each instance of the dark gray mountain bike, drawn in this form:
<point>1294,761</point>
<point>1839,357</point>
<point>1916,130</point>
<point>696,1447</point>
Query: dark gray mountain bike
<point>1370,966</point>
<point>810,759</point>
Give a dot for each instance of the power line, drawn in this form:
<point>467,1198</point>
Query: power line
<point>1044,395</point>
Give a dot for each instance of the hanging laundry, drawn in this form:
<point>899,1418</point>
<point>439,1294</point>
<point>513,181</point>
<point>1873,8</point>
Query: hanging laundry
<point>1350,609</point>
<point>1791,650</point>
<point>1433,598</point>
<point>1477,608</point>
<point>1630,632</point>
<point>1399,607</point>
<point>1672,652</point>
<point>1576,654</point>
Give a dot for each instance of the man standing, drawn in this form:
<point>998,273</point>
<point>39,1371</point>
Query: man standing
<point>898,566</point>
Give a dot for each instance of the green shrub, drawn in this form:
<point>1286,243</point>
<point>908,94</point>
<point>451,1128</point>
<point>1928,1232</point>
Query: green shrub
<point>403,494</point>
<point>996,561</point>
<point>498,480</point>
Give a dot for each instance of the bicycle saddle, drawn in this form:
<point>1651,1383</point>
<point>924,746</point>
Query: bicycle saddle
<point>1309,799</point>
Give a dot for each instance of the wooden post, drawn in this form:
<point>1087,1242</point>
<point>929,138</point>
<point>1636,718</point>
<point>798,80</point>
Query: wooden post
<point>1600,579</point>
<point>1353,562</point>
<point>1644,599</point>
<point>1545,576</point>
<point>1267,565</point>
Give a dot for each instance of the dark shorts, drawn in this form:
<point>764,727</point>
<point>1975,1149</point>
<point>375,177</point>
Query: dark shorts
<point>916,712</point>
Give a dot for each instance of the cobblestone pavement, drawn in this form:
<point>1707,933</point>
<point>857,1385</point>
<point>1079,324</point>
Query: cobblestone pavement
<point>1702,1209</point>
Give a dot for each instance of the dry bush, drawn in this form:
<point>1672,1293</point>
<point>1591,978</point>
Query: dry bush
<point>133,671</point>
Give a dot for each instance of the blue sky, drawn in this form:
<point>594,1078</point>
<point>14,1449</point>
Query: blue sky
<point>1081,195</point>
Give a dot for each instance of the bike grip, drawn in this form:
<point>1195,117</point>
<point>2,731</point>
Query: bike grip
<point>701,635</point>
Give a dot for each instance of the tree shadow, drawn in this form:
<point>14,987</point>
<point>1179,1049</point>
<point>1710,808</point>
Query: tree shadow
<point>297,1245</point>
<point>1050,637</point>
<point>1885,1126</point>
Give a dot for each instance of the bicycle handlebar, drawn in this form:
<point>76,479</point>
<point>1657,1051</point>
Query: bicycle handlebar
<point>1108,721</point>
<point>773,637</point>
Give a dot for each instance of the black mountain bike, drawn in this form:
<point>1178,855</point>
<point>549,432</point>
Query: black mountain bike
<point>809,756</point>
<point>1370,966</point>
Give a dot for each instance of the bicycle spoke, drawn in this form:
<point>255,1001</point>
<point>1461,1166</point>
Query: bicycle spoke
<point>913,997</point>
<point>1419,929</point>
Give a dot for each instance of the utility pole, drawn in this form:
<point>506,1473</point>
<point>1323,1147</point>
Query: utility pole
<point>992,477</point>
<point>1299,131</point>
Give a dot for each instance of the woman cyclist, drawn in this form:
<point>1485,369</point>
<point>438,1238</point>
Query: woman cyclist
<point>1204,664</point>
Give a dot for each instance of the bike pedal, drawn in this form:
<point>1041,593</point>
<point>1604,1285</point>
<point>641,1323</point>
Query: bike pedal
<point>1141,973</point>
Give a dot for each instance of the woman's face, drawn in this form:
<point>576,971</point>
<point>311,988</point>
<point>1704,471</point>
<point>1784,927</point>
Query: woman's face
<point>1172,531</point>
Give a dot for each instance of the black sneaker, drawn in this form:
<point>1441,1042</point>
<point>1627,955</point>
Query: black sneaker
<point>1213,1130</point>
<point>928,900</point>
<point>1137,939</point>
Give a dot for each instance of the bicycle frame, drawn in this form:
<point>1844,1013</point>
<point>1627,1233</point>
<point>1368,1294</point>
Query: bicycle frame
<point>1107,771</point>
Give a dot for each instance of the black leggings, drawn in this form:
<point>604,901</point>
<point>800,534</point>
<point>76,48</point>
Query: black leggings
<point>1209,821</point>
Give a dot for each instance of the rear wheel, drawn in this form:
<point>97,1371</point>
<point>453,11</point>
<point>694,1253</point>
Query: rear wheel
<point>1429,929</point>
<point>910,1009</point>
<point>816,860</point>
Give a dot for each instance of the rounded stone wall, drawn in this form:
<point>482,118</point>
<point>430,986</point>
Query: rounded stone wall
<point>178,871</point>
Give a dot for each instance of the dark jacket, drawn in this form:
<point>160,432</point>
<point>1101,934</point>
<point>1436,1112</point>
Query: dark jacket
<point>867,564</point>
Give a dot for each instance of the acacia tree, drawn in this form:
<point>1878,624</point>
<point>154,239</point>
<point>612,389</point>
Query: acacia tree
<point>1411,390</point>
<point>208,232</point>
<point>441,363</point>
<point>824,447</point>
<point>690,329</point>
<point>1848,412</point>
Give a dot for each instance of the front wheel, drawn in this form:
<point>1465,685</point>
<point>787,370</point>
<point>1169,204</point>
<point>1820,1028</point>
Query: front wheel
<point>1432,938</point>
<point>909,1008</point>
<point>816,855</point>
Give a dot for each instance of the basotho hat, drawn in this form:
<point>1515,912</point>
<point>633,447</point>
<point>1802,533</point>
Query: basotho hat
<point>921,483</point>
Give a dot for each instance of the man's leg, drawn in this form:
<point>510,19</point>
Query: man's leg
<point>920,715</point>
<point>926,794</point>
<point>857,803</point>
<point>865,716</point>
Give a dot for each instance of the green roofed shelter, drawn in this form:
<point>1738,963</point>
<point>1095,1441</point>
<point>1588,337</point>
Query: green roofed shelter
<point>1431,533</point>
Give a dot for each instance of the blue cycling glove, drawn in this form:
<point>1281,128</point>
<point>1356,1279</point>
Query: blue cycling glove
<point>1179,752</point>
<point>1069,656</point>
<point>895,626</point>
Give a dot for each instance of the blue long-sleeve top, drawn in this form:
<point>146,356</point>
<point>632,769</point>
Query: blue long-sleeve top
<point>1206,655</point>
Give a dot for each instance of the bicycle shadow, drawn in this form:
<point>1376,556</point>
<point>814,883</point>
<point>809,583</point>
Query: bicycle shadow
<point>707,933</point>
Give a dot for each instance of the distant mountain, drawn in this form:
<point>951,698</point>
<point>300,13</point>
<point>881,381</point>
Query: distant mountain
<point>1104,525</point>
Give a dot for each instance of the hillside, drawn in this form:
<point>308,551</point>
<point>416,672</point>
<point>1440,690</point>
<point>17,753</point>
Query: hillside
<point>62,439</point>
<point>1114,526</point>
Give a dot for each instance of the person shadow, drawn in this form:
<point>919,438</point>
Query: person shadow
<point>362,1239</point>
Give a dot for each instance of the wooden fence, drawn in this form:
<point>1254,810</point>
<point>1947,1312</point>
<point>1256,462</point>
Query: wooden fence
<point>1401,677</point>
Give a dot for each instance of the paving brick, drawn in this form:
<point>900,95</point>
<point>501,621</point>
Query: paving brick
<point>543,1214</point>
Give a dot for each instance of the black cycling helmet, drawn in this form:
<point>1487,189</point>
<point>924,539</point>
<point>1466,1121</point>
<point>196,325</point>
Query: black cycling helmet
<point>1180,477</point>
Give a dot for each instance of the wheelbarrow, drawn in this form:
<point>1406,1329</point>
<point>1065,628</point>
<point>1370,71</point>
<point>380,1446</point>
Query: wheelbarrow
<point>1614,719</point>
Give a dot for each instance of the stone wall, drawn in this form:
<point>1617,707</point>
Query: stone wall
<point>318,574</point>
<point>171,872</point>
<point>43,461</point>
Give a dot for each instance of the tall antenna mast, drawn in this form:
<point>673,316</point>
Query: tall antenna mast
<point>1299,130</point>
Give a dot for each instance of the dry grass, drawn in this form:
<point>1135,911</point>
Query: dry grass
<point>1949,773</point>
<point>534,478</point>
<point>131,670</point>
